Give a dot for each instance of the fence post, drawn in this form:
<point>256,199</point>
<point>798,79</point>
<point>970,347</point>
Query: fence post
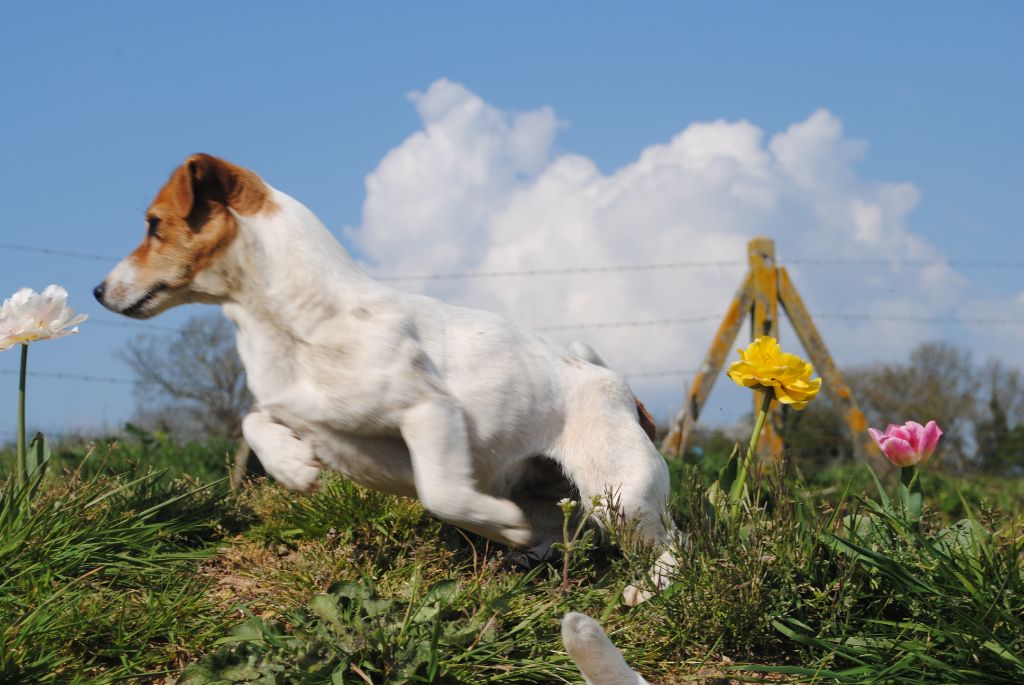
<point>832,381</point>
<point>764,287</point>
<point>765,321</point>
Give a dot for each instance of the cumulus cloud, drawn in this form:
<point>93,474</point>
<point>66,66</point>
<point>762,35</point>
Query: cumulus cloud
<point>481,189</point>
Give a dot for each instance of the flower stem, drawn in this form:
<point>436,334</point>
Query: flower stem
<point>21,416</point>
<point>566,554</point>
<point>910,495</point>
<point>741,478</point>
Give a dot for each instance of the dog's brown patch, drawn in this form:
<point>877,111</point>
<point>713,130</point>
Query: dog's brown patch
<point>646,421</point>
<point>190,222</point>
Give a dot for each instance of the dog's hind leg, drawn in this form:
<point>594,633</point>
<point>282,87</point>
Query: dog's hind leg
<point>435,431</point>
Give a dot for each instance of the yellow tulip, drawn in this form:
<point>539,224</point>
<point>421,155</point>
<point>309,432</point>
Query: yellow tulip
<point>764,366</point>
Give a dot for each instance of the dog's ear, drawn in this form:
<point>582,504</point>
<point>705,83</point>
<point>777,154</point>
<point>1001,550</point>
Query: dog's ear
<point>204,178</point>
<point>180,191</point>
<point>196,182</point>
<point>646,421</point>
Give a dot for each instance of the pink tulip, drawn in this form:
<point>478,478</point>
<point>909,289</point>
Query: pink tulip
<point>909,444</point>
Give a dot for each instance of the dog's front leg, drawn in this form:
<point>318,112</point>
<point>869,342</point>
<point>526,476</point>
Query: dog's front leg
<point>286,458</point>
<point>435,432</point>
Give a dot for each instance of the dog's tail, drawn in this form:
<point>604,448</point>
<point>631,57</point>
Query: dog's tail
<point>587,353</point>
<point>598,659</point>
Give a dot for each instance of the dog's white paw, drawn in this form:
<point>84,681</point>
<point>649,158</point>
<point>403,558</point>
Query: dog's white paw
<point>581,634</point>
<point>634,596</point>
<point>499,519</point>
<point>295,467</point>
<point>511,522</point>
<point>302,477</point>
<point>286,458</point>
<point>598,659</point>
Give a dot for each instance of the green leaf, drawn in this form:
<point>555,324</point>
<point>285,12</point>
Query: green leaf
<point>882,496</point>
<point>350,590</point>
<point>1003,653</point>
<point>966,536</point>
<point>325,607</point>
<point>376,607</point>
<point>727,476</point>
<point>857,526</point>
<point>38,455</point>
<point>249,630</point>
<point>238,674</point>
<point>910,493</point>
<point>442,591</point>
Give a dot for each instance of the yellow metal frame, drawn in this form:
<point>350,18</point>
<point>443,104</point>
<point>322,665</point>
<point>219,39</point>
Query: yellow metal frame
<point>763,289</point>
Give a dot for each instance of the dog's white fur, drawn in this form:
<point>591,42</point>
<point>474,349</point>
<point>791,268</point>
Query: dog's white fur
<point>598,659</point>
<point>409,395</point>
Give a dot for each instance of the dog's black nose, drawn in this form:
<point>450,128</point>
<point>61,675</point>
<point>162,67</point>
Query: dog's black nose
<point>98,291</point>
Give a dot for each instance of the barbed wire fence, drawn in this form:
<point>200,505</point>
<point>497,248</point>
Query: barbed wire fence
<point>594,325</point>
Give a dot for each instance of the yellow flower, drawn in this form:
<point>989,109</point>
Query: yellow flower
<point>764,366</point>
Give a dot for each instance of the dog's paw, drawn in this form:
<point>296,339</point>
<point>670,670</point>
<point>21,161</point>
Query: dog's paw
<point>519,536</point>
<point>304,478</point>
<point>497,518</point>
<point>634,596</point>
<point>511,522</point>
<point>295,469</point>
<point>581,635</point>
<point>596,656</point>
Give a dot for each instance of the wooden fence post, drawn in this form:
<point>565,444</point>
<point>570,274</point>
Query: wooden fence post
<point>765,321</point>
<point>764,287</point>
<point>854,422</point>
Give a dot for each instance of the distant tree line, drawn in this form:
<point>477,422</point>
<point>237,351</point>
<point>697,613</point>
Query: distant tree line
<point>191,384</point>
<point>979,406</point>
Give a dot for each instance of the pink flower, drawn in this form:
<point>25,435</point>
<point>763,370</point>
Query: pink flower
<point>908,444</point>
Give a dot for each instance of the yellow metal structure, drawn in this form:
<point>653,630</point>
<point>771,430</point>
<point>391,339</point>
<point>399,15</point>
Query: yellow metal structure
<point>764,288</point>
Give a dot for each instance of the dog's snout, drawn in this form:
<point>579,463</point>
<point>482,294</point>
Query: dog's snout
<point>98,291</point>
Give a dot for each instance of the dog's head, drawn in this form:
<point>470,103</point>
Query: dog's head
<point>189,227</point>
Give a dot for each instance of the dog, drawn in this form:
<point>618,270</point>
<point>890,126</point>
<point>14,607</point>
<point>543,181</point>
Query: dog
<point>598,659</point>
<point>488,424</point>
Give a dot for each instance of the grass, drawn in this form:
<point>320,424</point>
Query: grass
<point>137,564</point>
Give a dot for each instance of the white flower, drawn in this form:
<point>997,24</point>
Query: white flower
<point>27,315</point>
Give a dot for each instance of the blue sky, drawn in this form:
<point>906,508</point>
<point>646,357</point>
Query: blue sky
<point>102,100</point>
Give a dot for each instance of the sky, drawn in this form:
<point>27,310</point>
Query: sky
<point>463,137</point>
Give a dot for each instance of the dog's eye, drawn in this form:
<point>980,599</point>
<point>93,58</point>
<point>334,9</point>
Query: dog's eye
<point>153,226</point>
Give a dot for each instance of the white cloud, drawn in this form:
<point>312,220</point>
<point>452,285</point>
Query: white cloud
<point>478,188</point>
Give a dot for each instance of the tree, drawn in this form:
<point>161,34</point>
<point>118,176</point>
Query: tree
<point>816,436</point>
<point>999,433</point>
<point>191,383</point>
<point>939,382</point>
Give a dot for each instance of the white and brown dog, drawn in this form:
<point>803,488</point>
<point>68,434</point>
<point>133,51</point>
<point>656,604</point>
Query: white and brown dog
<point>486,423</point>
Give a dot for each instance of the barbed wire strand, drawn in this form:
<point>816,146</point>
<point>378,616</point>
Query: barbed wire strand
<point>131,324</point>
<point>992,321</point>
<point>125,381</point>
<point>679,321</point>
<point>70,377</point>
<point>57,253</point>
<point>916,263</point>
<point>987,321</point>
<point>521,273</point>
<point>626,324</point>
